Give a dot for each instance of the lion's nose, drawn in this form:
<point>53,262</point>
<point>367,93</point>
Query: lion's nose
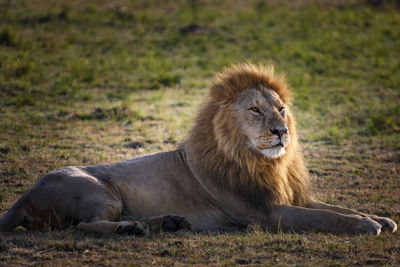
<point>279,131</point>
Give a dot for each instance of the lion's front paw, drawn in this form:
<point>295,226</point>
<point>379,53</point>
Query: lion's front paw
<point>387,224</point>
<point>368,226</point>
<point>174,223</point>
<point>132,228</point>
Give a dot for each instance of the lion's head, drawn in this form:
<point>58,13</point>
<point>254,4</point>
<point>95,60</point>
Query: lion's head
<point>261,118</point>
<point>263,121</point>
<point>244,137</point>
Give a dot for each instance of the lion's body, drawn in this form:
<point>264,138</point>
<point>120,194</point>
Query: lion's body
<point>132,188</point>
<point>241,164</point>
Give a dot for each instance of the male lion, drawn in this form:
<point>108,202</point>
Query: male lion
<point>240,165</point>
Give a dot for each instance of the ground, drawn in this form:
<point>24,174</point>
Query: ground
<point>88,83</point>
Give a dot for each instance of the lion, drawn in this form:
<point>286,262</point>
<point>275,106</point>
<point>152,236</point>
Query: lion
<point>241,164</point>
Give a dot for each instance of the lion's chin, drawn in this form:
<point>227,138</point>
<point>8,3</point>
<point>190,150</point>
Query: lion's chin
<point>274,152</point>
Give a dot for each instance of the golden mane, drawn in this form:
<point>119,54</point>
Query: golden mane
<point>217,147</point>
<point>236,78</point>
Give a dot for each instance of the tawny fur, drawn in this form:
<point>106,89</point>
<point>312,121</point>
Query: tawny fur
<point>222,152</point>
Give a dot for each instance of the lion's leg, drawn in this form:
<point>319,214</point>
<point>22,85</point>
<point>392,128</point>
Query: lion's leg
<point>304,219</point>
<point>387,224</point>
<point>108,227</point>
<point>169,223</point>
<point>62,199</point>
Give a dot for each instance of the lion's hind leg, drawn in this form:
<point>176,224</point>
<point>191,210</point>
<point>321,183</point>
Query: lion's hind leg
<point>62,199</point>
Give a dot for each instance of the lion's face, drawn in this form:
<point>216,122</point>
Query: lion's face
<point>263,119</point>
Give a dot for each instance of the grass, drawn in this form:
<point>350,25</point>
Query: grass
<point>89,83</point>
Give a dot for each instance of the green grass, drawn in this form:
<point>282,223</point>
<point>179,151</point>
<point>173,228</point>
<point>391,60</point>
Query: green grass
<point>88,83</point>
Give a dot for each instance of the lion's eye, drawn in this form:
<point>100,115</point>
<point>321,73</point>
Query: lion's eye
<point>282,111</point>
<point>255,110</point>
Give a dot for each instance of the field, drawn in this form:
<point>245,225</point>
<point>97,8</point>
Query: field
<point>88,82</point>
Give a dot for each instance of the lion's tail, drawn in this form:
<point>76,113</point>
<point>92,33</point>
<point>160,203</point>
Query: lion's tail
<point>12,218</point>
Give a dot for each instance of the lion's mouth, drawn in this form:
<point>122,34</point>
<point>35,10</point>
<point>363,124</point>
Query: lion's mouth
<point>269,150</point>
<point>265,146</point>
<point>277,145</point>
<point>262,144</point>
